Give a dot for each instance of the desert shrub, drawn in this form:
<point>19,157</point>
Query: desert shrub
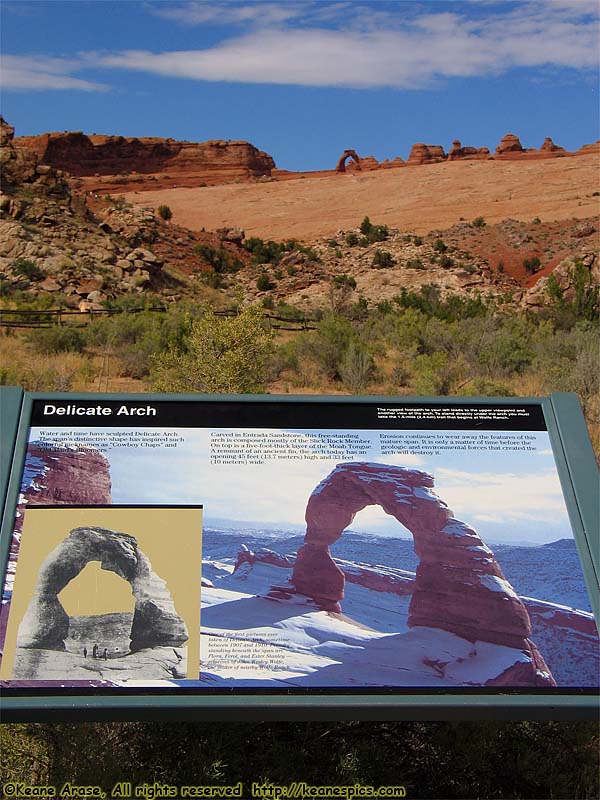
<point>360,310</point>
<point>344,280</point>
<point>264,283</point>
<point>415,263</point>
<point>340,289</point>
<point>356,368</point>
<point>135,338</point>
<point>366,226</point>
<point>382,259</point>
<point>373,233</point>
<point>220,355</point>
<point>351,239</point>
<point>328,344</point>
<point>384,307</point>
<point>478,222</point>
<point>164,212</point>
<point>264,252</point>
<point>284,357</point>
<point>433,374</point>
<point>439,246</point>
<point>509,350</point>
<point>584,306</point>
<point>532,264</point>
<point>445,261</point>
<point>58,339</point>
<point>454,306</point>
<point>28,269</point>
<point>218,258</point>
<point>55,372</point>
<point>209,277</point>
<point>289,312</point>
<point>418,240</point>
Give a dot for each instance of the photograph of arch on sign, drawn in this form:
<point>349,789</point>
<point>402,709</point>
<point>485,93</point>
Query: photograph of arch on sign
<point>344,547</point>
<point>105,593</point>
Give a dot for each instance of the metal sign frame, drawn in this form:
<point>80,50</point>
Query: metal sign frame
<point>578,474</point>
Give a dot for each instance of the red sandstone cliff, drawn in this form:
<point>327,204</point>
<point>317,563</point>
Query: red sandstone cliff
<point>83,155</point>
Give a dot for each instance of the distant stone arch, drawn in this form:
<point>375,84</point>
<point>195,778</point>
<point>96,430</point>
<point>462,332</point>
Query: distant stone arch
<point>155,620</point>
<point>459,585</point>
<point>341,164</point>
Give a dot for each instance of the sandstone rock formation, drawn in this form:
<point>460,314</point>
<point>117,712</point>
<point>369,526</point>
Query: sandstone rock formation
<point>341,164</point>
<point>509,144</point>
<point>155,621</point>
<point>459,585</point>
<point>425,154</point>
<point>588,149</point>
<point>66,476</point>
<point>18,167</point>
<point>548,146</point>
<point>394,162</point>
<point>83,155</point>
<point>458,151</point>
<point>379,579</point>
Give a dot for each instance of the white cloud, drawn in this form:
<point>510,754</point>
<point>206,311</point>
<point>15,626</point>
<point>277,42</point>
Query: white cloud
<point>401,52</point>
<point>345,45</point>
<point>202,13</point>
<point>43,73</point>
<point>503,497</point>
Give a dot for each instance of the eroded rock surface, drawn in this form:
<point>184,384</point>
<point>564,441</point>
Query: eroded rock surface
<point>510,143</point>
<point>426,154</point>
<point>82,155</point>
<point>459,585</point>
<point>155,620</point>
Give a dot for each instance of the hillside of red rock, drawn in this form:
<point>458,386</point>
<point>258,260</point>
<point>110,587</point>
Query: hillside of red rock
<point>214,161</point>
<point>469,225</point>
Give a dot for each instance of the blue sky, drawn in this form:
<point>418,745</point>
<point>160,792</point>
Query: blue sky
<point>305,80</point>
<point>506,495</point>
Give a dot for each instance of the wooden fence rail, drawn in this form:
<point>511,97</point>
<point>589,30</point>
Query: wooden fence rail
<point>51,317</point>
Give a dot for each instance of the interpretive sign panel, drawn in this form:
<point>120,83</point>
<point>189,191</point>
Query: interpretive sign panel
<point>213,551</point>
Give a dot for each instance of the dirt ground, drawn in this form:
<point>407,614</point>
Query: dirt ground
<point>417,199</point>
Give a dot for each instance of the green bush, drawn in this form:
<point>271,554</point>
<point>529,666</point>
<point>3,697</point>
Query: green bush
<point>264,283</point>
<point>366,226</point>
<point>382,260</point>
<point>218,258</point>
<point>164,212</point>
<point>351,239</point>
<point>58,339</point>
<point>373,233</point>
<point>210,277</point>
<point>340,289</point>
<point>342,281</point>
<point>356,368</point>
<point>478,222</point>
<point>28,269</point>
<point>532,264</point>
<point>219,355</point>
<point>439,246</point>
<point>328,344</point>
